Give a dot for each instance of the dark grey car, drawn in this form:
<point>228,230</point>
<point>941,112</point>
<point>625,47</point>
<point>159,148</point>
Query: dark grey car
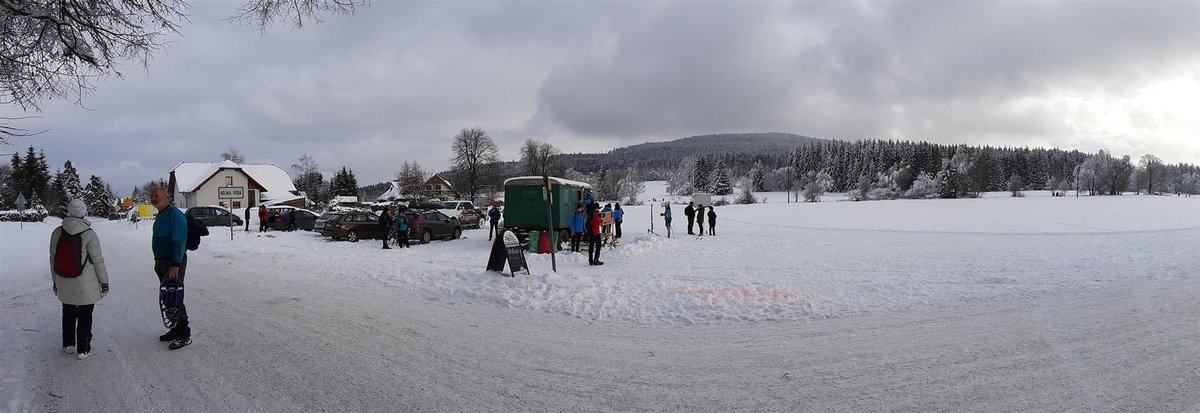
<point>427,225</point>
<point>214,216</point>
<point>277,218</point>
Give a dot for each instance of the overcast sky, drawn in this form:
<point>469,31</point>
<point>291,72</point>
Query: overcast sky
<point>397,81</point>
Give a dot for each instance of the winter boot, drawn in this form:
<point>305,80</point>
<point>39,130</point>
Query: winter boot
<point>180,343</point>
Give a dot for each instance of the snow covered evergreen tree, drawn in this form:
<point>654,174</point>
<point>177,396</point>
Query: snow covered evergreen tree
<point>344,183</point>
<point>758,179</point>
<point>63,189</point>
<point>700,173</point>
<point>600,191</point>
<point>97,198</point>
<point>720,181</point>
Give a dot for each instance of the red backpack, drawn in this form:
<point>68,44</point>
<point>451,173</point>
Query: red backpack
<point>68,255</point>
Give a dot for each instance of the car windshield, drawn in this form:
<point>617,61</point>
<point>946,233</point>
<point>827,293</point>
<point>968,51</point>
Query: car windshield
<point>450,205</point>
<point>330,217</point>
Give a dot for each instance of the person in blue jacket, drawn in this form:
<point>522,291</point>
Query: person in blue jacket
<point>587,197</point>
<point>618,215</point>
<point>666,214</point>
<point>578,220</point>
<point>169,243</point>
<point>401,222</point>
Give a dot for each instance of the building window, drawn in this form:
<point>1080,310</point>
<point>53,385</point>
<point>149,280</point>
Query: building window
<point>229,181</point>
<point>237,204</point>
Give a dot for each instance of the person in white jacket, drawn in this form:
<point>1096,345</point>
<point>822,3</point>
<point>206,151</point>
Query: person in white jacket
<point>79,282</point>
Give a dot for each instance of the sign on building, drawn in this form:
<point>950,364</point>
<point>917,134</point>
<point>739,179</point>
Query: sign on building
<point>231,192</point>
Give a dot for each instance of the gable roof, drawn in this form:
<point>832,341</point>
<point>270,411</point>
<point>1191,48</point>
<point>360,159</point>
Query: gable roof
<point>189,176</point>
<point>437,179</point>
<point>394,192</point>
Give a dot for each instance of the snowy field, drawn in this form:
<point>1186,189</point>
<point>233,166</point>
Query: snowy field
<point>992,304</point>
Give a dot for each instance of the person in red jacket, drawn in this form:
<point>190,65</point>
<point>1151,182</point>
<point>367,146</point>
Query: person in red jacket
<point>262,218</point>
<point>593,234</point>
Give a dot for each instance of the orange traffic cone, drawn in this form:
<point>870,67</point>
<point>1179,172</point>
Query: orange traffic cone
<point>544,243</point>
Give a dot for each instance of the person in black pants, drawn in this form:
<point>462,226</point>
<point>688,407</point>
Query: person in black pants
<point>168,242</point>
<point>247,219</point>
<point>494,220</point>
<point>385,222</point>
<point>593,231</point>
<point>690,211</point>
<point>700,218</point>
<point>79,276</point>
<point>618,218</point>
<point>712,221</point>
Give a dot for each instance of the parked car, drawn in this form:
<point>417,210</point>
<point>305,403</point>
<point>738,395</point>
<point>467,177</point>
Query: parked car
<point>277,217</point>
<point>425,225</point>
<point>351,226</point>
<point>214,216</point>
<point>464,212</point>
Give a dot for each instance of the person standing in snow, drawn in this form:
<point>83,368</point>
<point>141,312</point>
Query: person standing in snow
<point>700,218</point>
<point>712,220</point>
<point>690,211</point>
<point>618,217</point>
<point>168,243</point>
<point>666,214</point>
<point>262,218</point>
<point>593,228</point>
<point>493,222</point>
<point>385,222</point>
<point>79,280</point>
<point>401,222</point>
<point>578,221</point>
<point>247,214</point>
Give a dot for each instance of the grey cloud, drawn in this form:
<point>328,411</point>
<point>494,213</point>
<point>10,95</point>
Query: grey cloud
<point>396,81</point>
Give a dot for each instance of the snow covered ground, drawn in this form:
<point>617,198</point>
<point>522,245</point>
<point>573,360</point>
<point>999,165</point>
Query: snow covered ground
<point>992,304</point>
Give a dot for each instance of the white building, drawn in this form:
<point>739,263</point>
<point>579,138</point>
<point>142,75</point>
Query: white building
<point>195,184</point>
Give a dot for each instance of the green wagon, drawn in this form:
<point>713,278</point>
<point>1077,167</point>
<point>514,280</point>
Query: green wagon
<point>525,205</point>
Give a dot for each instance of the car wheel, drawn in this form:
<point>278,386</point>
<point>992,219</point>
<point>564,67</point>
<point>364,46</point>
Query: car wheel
<point>352,236</point>
<point>457,233</point>
<point>426,236</point>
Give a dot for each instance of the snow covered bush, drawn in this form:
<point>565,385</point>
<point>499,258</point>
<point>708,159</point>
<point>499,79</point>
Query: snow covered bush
<point>924,186</point>
<point>35,214</point>
<point>746,197</point>
<point>1014,186</point>
<point>721,202</point>
<point>815,185</point>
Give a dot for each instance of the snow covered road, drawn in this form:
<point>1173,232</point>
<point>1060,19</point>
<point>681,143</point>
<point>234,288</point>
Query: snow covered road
<point>947,315</point>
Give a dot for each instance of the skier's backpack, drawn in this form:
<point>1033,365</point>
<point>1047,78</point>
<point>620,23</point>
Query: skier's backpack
<point>195,230</point>
<point>68,255</point>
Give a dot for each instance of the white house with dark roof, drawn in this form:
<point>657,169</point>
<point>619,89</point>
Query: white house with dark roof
<point>195,184</point>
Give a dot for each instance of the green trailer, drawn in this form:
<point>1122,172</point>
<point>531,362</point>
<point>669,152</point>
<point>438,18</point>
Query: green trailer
<point>525,204</point>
